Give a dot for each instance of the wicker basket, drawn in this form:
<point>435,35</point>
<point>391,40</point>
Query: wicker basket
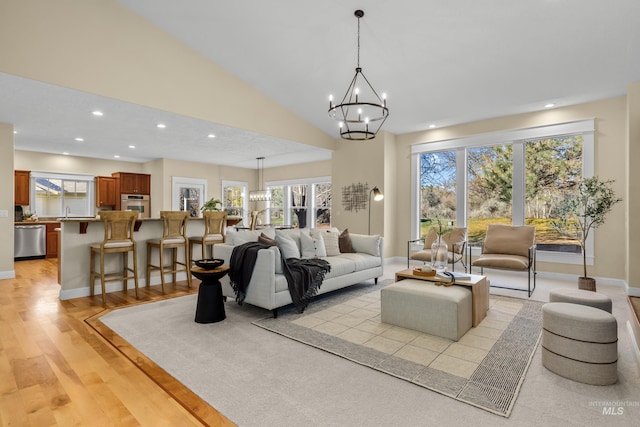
<point>419,272</point>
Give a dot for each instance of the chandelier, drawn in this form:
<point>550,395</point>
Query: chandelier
<point>260,195</point>
<point>361,112</point>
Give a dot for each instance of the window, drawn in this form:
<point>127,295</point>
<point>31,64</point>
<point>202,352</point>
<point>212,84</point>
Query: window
<point>301,203</point>
<point>512,177</point>
<point>57,195</point>
<point>234,197</point>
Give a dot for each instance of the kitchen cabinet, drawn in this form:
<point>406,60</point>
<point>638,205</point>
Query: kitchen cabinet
<point>21,194</point>
<point>106,194</point>
<point>133,183</point>
<point>52,239</point>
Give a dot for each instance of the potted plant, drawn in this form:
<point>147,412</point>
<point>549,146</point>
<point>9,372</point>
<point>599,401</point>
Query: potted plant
<point>583,211</point>
<point>212,204</point>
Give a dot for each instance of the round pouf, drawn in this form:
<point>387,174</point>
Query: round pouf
<point>579,296</point>
<point>580,343</point>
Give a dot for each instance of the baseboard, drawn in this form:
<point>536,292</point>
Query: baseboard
<point>10,274</point>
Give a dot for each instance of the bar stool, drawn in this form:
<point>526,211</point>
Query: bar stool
<point>118,238</point>
<point>215,223</point>
<point>173,237</point>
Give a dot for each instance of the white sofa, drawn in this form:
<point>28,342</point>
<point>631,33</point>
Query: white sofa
<point>268,287</point>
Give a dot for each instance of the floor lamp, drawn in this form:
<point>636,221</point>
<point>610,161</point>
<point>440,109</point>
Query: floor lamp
<point>377,196</point>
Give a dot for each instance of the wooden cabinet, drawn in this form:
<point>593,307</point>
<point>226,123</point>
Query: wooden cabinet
<point>21,194</point>
<point>133,183</point>
<point>106,194</point>
<point>52,239</point>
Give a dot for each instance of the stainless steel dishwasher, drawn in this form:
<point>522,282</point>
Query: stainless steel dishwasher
<point>30,241</point>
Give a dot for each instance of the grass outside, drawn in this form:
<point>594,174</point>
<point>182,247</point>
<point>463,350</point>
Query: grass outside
<point>477,228</point>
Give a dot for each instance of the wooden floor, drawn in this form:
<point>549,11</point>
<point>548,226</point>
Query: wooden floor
<point>59,365</point>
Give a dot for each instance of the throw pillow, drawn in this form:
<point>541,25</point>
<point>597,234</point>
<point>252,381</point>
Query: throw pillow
<point>263,238</point>
<point>344,242</point>
<point>288,247</point>
<point>366,244</point>
<point>431,237</point>
<point>311,245</point>
<point>331,244</point>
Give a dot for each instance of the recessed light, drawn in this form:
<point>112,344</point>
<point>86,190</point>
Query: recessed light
<point>432,126</point>
<point>161,125</point>
<point>132,146</point>
<point>549,105</point>
<point>80,139</point>
<point>97,113</point>
<point>211,135</point>
<point>15,131</point>
<point>65,154</point>
<point>116,156</point>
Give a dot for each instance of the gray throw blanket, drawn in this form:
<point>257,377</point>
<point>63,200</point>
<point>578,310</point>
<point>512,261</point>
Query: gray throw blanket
<point>243,259</point>
<point>304,276</point>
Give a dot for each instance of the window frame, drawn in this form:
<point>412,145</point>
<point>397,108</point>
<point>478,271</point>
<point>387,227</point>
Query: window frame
<point>91,190</point>
<point>518,138</point>
<point>245,196</point>
<point>311,196</point>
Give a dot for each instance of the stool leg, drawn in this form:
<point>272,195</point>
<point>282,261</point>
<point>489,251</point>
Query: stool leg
<point>149,249</point>
<point>125,270</point>
<point>161,249</point>
<point>92,272</point>
<point>174,263</point>
<point>102,284</point>
<point>135,269</point>
<point>187,257</point>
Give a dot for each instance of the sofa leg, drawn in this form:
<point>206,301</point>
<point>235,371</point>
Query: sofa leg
<point>275,313</point>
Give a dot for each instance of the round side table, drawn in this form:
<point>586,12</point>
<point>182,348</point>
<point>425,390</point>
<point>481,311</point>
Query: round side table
<point>210,308</point>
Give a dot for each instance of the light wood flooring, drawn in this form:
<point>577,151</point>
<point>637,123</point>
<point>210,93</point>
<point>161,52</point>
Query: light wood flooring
<point>59,365</point>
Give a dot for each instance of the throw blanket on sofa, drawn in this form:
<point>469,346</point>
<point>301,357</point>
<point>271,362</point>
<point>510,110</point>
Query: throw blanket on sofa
<point>304,278</point>
<point>243,259</point>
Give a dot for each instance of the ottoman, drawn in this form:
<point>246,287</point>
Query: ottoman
<point>422,306</point>
<point>580,296</point>
<point>580,343</point>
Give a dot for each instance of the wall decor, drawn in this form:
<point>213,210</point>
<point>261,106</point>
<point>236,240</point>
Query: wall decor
<point>188,194</point>
<point>355,197</point>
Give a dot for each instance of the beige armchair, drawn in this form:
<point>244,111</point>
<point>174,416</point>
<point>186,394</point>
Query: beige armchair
<point>456,243</point>
<point>508,247</point>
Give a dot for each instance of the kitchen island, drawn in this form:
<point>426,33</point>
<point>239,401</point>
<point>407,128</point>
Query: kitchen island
<point>76,234</point>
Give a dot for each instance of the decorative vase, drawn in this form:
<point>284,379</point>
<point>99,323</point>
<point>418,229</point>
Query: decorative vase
<point>587,283</point>
<point>439,254</point>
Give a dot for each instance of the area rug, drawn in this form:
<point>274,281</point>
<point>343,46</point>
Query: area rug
<point>485,368</point>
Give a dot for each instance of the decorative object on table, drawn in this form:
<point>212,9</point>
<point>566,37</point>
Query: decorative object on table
<point>426,273</point>
<point>362,111</point>
<point>439,247</point>
<point>212,204</point>
<point>377,196</point>
<point>354,196</point>
<point>260,195</point>
<point>582,211</point>
<point>209,263</point>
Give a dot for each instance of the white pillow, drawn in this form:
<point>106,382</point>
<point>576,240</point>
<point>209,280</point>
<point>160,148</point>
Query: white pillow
<point>235,238</point>
<point>287,246</point>
<point>366,244</point>
<point>311,246</point>
<point>330,238</point>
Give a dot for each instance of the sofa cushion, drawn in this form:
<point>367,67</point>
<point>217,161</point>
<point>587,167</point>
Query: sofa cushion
<point>509,262</point>
<point>331,244</point>
<point>431,237</point>
<point>311,246</point>
<point>509,239</point>
<point>263,238</point>
<point>363,261</point>
<point>367,244</point>
<point>239,237</point>
<point>339,266</point>
<point>288,247</point>
<point>344,242</point>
